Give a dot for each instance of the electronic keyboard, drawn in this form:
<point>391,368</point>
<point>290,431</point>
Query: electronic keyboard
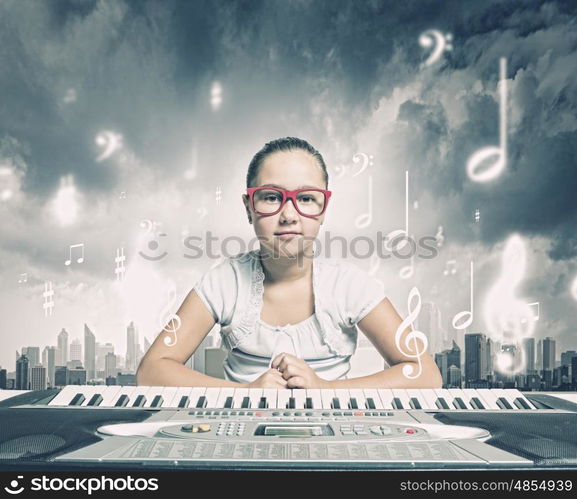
<point>155,427</point>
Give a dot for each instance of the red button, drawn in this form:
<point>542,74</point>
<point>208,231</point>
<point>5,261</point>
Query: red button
<point>258,413</point>
<point>410,431</point>
<point>358,413</point>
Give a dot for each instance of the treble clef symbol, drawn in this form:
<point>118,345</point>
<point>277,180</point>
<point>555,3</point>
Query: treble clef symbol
<point>169,321</point>
<point>412,335</point>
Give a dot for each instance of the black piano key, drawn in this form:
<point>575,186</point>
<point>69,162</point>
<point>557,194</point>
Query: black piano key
<point>122,401</point>
<point>95,400</point>
<point>397,404</point>
<point>309,403</point>
<point>245,404</point>
<point>78,399</point>
<point>228,403</point>
<point>442,403</point>
<point>140,401</point>
<point>292,403</point>
<point>335,404</point>
<point>477,403</point>
<point>184,401</point>
<point>414,403</point>
<point>458,403</point>
<point>503,403</point>
<point>201,404</point>
<point>370,403</point>
<point>263,404</point>
<point>521,403</point>
<point>353,403</point>
<point>157,401</point>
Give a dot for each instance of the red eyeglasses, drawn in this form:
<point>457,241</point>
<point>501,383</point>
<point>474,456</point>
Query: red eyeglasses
<point>268,201</point>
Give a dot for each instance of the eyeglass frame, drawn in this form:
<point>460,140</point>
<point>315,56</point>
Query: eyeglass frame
<point>286,195</point>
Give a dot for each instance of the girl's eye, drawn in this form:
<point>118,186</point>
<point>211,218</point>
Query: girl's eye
<point>271,198</point>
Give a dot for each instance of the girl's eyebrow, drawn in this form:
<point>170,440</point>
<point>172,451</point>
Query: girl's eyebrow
<point>300,187</point>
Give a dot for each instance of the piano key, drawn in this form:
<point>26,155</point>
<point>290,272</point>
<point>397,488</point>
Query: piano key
<point>462,395</point>
<point>283,396</point>
<point>386,395</point>
<point>343,396</point>
<point>88,391</point>
<point>370,403</point>
<point>95,400</point>
<point>442,403</point>
<point>228,403</point>
<point>468,394</point>
<point>508,399</point>
<point>177,396</point>
<point>211,395</point>
<point>167,394</point>
<point>239,395</point>
<point>300,395</point>
<point>271,397</point>
<point>64,396</point>
<point>428,399</point>
<point>414,403</point>
<point>138,401</point>
<point>521,403</point>
<point>413,393</point>
<point>444,394</point>
<point>359,395</point>
<point>184,402</point>
<point>401,394</point>
<point>195,394</point>
<point>138,390</point>
<point>489,399</point>
<point>309,403</point>
<point>254,394</point>
<point>397,403</point>
<point>77,399</point>
<point>327,396</point>
<point>315,395</point>
<point>245,404</point>
<point>353,403</point>
<point>225,393</point>
<point>335,403</point>
<point>477,403</point>
<point>262,403</point>
<point>201,402</point>
<point>292,403</point>
<point>157,401</point>
<point>503,403</point>
<point>108,395</point>
<point>122,401</point>
<point>124,393</point>
<point>371,393</point>
<point>459,403</point>
<point>516,395</point>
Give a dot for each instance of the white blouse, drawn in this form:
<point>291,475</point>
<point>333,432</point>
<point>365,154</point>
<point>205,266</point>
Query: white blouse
<point>232,290</point>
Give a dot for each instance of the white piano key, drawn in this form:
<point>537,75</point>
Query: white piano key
<point>299,395</point>
<point>181,391</point>
<point>271,397</point>
<point>401,394</point>
<point>315,395</point>
<point>65,395</point>
<point>225,392</point>
<point>372,393</point>
<point>254,394</point>
<point>489,400</point>
<point>283,397</point>
<point>446,394</point>
<point>428,396</point>
<point>151,394</point>
<point>514,393</point>
<point>507,395</point>
<point>465,397</point>
<point>108,394</point>
<point>167,396</point>
<point>416,394</point>
<point>124,390</point>
<point>88,391</point>
<point>386,395</point>
<point>195,394</point>
<point>239,395</point>
<point>343,396</point>
<point>138,390</point>
<point>471,393</point>
<point>211,395</point>
<point>327,396</point>
<point>359,396</point>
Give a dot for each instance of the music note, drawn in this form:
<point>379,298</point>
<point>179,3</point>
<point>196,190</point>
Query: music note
<point>504,312</point>
<point>122,195</point>
<point>477,215</point>
<point>475,161</point>
<point>202,211</point>
<point>450,267</point>
<point>23,278</point>
<point>407,271</point>
<point>439,41</point>
<point>467,315</point>
<point>402,235</point>
<point>170,322</point>
<point>367,160</point>
<point>364,220</point>
<point>110,142</point>
<point>80,259</point>
<point>412,335</point>
<point>439,237</point>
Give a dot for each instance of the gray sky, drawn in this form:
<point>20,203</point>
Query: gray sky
<point>347,76</point>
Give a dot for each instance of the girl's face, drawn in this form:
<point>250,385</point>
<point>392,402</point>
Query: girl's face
<point>288,170</point>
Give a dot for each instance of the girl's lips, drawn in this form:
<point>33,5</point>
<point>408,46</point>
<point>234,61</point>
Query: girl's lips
<point>288,235</point>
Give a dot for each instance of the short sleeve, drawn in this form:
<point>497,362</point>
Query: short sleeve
<point>363,293</point>
<point>217,290</point>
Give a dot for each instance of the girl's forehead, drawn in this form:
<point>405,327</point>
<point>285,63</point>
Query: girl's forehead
<point>294,166</point>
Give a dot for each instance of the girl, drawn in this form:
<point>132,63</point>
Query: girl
<point>287,320</point>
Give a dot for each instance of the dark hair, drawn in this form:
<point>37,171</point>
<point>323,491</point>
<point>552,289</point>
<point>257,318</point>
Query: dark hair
<point>284,144</point>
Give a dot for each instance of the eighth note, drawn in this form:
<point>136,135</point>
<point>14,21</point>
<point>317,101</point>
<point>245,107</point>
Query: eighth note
<point>80,259</point>
<point>476,160</point>
<point>23,278</point>
<point>450,268</point>
<point>466,313</point>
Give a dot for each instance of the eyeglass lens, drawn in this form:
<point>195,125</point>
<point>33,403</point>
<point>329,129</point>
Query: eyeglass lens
<point>308,202</point>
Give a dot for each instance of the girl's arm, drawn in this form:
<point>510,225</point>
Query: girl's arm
<point>163,365</point>
<point>380,326</point>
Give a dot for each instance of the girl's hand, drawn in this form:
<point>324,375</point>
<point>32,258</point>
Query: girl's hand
<point>271,378</point>
<point>297,372</point>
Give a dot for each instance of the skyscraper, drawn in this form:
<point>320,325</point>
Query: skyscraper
<point>548,354</point>
<point>131,347</point>
<point>62,357</point>
<point>48,361</point>
<point>22,373</point>
<point>476,357</point>
<point>76,350</point>
<point>33,354</point>
<point>101,352</point>
<point>89,353</point>
<point>529,349</point>
<point>38,378</point>
<point>110,365</point>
